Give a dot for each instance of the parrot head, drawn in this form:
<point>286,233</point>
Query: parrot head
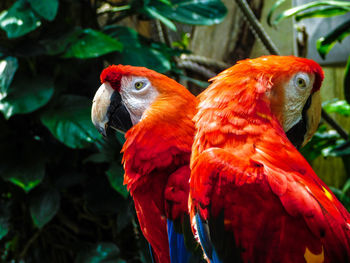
<point>290,85</point>
<point>127,93</point>
<point>295,96</point>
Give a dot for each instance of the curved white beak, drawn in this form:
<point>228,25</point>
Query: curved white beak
<point>100,104</point>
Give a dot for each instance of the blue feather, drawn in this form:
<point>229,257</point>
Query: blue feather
<point>151,252</point>
<point>204,238</point>
<point>178,251</point>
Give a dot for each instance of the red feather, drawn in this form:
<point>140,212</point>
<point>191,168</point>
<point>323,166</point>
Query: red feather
<point>274,206</point>
<point>156,158</point>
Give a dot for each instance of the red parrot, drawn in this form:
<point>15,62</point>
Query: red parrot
<point>253,197</point>
<point>156,113</point>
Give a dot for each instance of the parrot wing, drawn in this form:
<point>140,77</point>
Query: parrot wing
<point>183,246</point>
<point>267,207</point>
<point>161,197</point>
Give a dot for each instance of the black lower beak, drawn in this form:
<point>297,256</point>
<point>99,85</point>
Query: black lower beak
<point>296,134</point>
<point>118,115</point>
<point>101,130</point>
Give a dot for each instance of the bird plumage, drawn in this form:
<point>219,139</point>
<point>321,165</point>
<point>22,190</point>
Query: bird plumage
<point>156,158</point>
<point>253,197</point>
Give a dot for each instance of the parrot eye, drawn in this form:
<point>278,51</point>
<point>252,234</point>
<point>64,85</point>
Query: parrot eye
<point>300,82</point>
<point>139,85</point>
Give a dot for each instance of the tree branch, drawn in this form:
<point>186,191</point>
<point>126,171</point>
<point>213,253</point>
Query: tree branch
<point>187,64</point>
<point>209,62</point>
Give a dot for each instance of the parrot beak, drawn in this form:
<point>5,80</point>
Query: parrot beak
<point>108,110</point>
<point>313,117</point>
<point>100,105</point>
<point>302,131</point>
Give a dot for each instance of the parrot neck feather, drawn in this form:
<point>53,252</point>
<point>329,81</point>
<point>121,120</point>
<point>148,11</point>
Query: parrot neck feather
<point>236,115</point>
<point>161,141</point>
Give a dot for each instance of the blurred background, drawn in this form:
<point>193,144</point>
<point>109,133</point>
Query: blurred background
<point>62,197</point>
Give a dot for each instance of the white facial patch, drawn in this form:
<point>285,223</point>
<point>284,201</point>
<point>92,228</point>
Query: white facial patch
<point>296,94</point>
<point>137,94</point>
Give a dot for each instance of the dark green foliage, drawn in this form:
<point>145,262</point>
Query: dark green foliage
<point>46,9</point>
<point>101,252</point>
<point>26,95</point>
<point>19,20</point>
<point>337,106</point>
<point>203,12</point>
<point>68,119</point>
<point>136,51</point>
<point>44,206</point>
<point>62,197</point>
<point>115,177</point>
<point>325,44</point>
<point>343,194</point>
<point>321,142</point>
<point>8,67</point>
<point>308,10</point>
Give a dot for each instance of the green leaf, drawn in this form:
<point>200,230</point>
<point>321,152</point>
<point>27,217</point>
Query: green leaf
<point>341,5</point>
<point>167,2</point>
<point>193,12</point>
<point>126,35</point>
<point>4,218</point>
<point>184,43</point>
<point>327,11</point>
<point>344,199</point>
<point>340,150</point>
<point>346,187</point>
<point>136,53</point>
<point>337,106</point>
<point>27,176</point>
<point>325,44</point>
<point>70,122</point>
<point>272,10</point>
<point>19,19</point>
<point>47,9</point>
<point>22,168</point>
<point>92,44</point>
<point>102,252</point>
<point>145,57</point>
<point>26,95</point>
<point>60,44</point>
<point>44,206</point>
<point>347,81</point>
<point>323,139</point>
<point>154,13</point>
<point>116,177</point>
<point>120,8</point>
<point>8,68</point>
<point>4,226</point>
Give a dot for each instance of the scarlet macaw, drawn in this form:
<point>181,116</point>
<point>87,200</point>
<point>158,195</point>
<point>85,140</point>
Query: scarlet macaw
<point>253,197</point>
<point>156,113</point>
